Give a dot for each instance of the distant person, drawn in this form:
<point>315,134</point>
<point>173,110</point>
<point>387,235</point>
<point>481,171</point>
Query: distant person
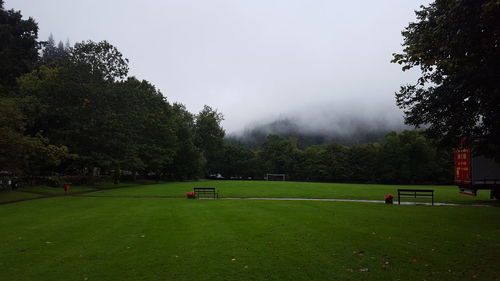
<point>66,188</point>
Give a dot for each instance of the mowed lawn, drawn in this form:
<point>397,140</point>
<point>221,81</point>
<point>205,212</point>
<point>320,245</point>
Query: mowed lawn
<point>50,190</point>
<point>119,237</point>
<point>84,238</point>
<point>446,194</point>
<point>16,195</point>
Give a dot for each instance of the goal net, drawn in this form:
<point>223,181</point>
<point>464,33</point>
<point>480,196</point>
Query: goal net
<point>275,177</point>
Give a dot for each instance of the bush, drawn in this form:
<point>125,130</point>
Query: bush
<point>55,181</point>
<point>76,180</point>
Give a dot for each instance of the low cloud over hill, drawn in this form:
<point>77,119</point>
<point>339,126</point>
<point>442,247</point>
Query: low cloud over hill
<point>347,130</point>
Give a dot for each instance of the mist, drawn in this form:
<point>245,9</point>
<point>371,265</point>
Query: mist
<point>317,63</point>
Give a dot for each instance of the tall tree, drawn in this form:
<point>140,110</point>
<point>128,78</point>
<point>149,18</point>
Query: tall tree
<point>52,54</point>
<point>209,137</point>
<point>18,47</point>
<point>102,58</point>
<point>147,126</point>
<point>70,106</point>
<point>49,48</point>
<point>456,45</point>
<point>188,160</point>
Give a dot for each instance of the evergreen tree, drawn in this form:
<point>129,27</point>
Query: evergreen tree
<point>52,54</point>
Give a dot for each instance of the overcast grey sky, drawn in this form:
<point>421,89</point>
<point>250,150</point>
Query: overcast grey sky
<point>251,60</point>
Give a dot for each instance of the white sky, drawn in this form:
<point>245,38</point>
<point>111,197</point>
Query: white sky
<point>252,60</point>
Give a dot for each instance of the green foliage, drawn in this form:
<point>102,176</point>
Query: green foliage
<point>56,181</point>
<point>18,47</point>
<point>12,141</point>
<point>409,157</point>
<point>188,161</point>
<point>28,156</point>
<point>80,101</point>
<point>240,162</point>
<point>68,107</point>
<point>456,46</point>
<point>314,164</point>
<point>40,157</point>
<point>121,125</point>
<point>279,156</point>
<point>52,54</point>
<point>362,163</point>
<point>142,123</point>
<point>336,157</point>
<point>209,137</point>
<point>405,157</point>
<point>103,59</point>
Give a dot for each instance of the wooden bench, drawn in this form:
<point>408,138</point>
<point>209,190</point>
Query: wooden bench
<point>206,192</point>
<point>415,193</point>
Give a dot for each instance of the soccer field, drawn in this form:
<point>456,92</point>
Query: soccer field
<point>126,238</point>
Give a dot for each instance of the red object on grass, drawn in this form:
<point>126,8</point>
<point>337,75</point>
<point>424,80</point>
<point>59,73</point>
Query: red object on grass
<point>66,188</point>
<point>190,195</point>
<point>388,196</point>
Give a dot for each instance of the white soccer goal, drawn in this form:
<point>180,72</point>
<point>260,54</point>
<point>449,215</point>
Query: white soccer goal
<point>275,177</point>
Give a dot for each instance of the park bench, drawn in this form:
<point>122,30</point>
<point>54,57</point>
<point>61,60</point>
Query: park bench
<point>206,192</point>
<point>415,193</point>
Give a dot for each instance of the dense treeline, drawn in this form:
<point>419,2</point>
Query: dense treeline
<point>73,110</point>
<point>355,131</point>
<point>404,157</point>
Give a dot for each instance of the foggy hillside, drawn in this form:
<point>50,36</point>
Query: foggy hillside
<point>344,130</point>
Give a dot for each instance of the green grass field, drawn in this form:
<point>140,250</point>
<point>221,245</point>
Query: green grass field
<point>49,190</point>
<point>106,238</point>
<point>16,195</point>
<point>446,194</point>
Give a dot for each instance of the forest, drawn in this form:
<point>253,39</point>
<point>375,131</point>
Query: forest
<point>73,114</point>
